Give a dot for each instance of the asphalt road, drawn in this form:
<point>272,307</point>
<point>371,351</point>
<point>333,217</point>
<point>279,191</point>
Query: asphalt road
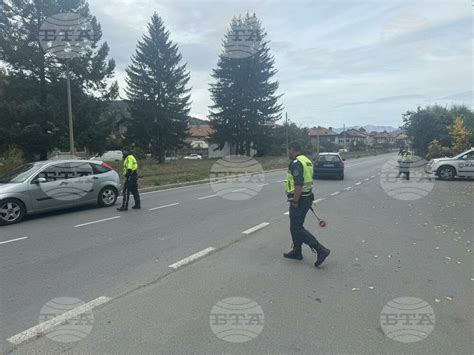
<point>383,248</point>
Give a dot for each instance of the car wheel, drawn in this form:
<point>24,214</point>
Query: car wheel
<point>108,196</point>
<point>11,211</point>
<point>446,173</point>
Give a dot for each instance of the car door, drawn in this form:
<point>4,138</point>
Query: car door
<point>53,193</point>
<point>83,183</point>
<point>465,165</point>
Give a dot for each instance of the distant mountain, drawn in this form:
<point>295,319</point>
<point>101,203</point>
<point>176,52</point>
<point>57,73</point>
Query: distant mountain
<point>368,128</point>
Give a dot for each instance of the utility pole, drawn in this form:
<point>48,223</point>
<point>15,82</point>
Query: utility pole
<point>72,150</point>
<point>287,137</point>
<point>344,130</point>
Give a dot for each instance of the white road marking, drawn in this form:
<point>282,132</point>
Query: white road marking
<point>262,185</point>
<point>191,258</point>
<point>45,326</point>
<point>286,213</point>
<point>13,240</point>
<point>203,198</point>
<point>358,183</point>
<point>256,228</point>
<point>281,180</point>
<point>335,193</point>
<point>348,188</point>
<point>318,200</point>
<point>366,179</point>
<point>372,176</point>
<point>160,207</point>
<point>93,222</point>
<point>239,190</point>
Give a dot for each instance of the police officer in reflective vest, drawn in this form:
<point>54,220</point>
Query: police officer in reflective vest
<point>299,189</point>
<point>130,184</point>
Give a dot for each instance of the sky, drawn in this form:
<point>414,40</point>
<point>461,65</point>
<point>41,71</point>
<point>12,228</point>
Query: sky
<point>339,62</point>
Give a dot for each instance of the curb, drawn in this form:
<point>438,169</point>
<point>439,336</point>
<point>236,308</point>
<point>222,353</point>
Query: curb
<point>195,182</point>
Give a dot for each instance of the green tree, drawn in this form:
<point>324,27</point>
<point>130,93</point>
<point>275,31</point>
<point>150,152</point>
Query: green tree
<point>38,106</point>
<point>460,136</point>
<point>157,92</point>
<point>427,124</point>
<point>245,102</point>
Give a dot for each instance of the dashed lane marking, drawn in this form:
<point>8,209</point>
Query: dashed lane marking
<point>192,258</point>
<point>51,323</point>
<point>94,222</point>
<point>13,240</point>
<point>256,228</point>
<point>203,198</point>
<point>335,193</point>
<point>160,207</point>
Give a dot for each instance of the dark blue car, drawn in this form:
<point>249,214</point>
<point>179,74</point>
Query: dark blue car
<point>328,165</point>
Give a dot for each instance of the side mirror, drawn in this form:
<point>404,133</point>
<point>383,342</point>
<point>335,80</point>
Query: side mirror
<point>40,180</point>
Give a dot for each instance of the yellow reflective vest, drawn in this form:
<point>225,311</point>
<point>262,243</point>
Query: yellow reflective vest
<point>129,163</point>
<point>307,175</point>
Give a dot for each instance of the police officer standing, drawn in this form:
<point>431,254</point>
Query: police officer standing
<point>299,189</point>
<point>130,185</point>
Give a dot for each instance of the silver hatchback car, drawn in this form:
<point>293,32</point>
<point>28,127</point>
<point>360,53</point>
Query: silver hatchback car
<point>51,185</point>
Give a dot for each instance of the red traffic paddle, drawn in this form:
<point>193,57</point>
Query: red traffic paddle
<point>322,223</point>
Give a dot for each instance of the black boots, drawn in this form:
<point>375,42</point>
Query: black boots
<point>323,253</point>
<point>294,253</point>
<point>136,207</point>
<point>121,209</point>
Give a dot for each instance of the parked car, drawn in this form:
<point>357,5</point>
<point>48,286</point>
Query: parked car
<point>328,164</point>
<point>52,185</point>
<point>193,157</point>
<point>448,168</point>
<point>110,155</point>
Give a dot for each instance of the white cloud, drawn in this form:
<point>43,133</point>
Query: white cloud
<point>328,53</point>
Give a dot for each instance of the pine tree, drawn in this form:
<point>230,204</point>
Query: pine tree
<point>157,92</point>
<point>42,78</point>
<point>245,104</point>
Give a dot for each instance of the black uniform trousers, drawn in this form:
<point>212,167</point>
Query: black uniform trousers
<point>131,187</point>
<point>299,234</point>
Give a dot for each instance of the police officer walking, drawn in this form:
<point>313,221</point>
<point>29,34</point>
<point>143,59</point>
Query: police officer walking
<point>299,189</point>
<point>130,185</point>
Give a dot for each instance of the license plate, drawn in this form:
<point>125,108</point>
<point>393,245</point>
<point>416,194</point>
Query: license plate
<point>328,165</point>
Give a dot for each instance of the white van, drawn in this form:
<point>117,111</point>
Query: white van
<point>110,155</point>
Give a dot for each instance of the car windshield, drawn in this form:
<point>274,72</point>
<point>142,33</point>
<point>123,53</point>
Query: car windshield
<point>328,158</point>
<point>17,175</point>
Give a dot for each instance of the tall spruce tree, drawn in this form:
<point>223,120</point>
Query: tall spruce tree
<point>244,95</point>
<point>157,92</point>
<point>36,100</point>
